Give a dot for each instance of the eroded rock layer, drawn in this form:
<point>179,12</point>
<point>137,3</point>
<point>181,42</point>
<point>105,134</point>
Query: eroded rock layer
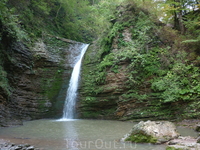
<point>34,79</point>
<point>135,71</point>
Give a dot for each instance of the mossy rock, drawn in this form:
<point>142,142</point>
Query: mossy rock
<point>177,147</point>
<point>197,128</point>
<point>141,138</point>
<point>152,132</point>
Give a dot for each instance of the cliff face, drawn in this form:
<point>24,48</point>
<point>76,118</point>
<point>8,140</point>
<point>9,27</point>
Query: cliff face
<point>135,71</point>
<point>104,82</point>
<point>34,80</point>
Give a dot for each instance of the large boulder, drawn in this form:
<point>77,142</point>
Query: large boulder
<point>152,132</point>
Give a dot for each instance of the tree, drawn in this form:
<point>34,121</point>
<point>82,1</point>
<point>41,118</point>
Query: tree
<point>177,10</point>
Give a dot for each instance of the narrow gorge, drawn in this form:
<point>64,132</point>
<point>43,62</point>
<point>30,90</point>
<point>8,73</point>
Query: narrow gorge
<point>139,68</point>
<point>141,65</point>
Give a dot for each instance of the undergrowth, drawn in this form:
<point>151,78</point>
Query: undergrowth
<point>160,71</point>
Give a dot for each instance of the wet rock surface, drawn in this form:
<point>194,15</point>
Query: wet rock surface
<point>198,139</point>
<point>4,145</point>
<point>184,143</point>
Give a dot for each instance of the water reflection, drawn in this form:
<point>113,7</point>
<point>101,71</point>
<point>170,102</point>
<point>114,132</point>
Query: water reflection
<point>70,134</point>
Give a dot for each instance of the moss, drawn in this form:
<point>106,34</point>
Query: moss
<point>173,148</point>
<point>89,114</point>
<point>51,86</point>
<point>53,43</point>
<point>4,85</point>
<point>141,138</point>
<point>191,110</point>
<point>110,111</point>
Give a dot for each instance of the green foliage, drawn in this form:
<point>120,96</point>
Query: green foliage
<point>4,85</point>
<point>173,148</point>
<point>101,14</point>
<point>53,43</point>
<point>40,7</point>
<point>72,19</point>
<point>10,23</point>
<point>51,86</point>
<point>107,61</point>
<point>142,29</point>
<point>91,80</point>
<point>133,94</point>
<point>193,26</point>
<point>192,109</point>
<point>90,99</point>
<point>90,114</point>
<point>108,39</point>
<point>180,83</point>
<point>141,138</point>
<point>158,76</point>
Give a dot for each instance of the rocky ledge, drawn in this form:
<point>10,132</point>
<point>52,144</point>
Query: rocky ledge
<point>183,143</point>
<point>4,145</point>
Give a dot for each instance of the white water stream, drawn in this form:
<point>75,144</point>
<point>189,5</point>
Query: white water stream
<point>70,101</point>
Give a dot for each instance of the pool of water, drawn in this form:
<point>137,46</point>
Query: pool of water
<point>76,135</point>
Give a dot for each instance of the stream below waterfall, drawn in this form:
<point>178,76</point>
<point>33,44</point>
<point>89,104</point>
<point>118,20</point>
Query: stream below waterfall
<point>77,135</point>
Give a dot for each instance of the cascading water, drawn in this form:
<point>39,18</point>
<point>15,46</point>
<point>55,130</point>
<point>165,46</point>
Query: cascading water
<point>70,101</point>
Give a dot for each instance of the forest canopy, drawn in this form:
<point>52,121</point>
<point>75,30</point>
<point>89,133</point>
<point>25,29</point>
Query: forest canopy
<point>85,20</point>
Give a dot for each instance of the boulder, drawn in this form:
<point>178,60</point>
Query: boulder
<point>152,132</point>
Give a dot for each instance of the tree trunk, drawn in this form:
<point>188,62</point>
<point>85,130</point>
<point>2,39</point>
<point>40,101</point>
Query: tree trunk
<point>180,20</point>
<point>178,17</point>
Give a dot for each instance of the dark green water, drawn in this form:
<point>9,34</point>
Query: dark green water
<point>76,135</point>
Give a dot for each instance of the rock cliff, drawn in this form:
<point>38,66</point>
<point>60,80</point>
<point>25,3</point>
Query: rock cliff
<point>126,73</point>
<point>33,79</point>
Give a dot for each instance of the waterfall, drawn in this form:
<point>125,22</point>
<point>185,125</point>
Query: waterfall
<point>70,101</point>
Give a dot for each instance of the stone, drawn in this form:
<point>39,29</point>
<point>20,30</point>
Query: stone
<point>30,148</point>
<point>197,128</point>
<point>18,147</point>
<point>4,145</point>
<point>177,147</point>
<point>184,143</point>
<point>198,139</point>
<point>152,132</point>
